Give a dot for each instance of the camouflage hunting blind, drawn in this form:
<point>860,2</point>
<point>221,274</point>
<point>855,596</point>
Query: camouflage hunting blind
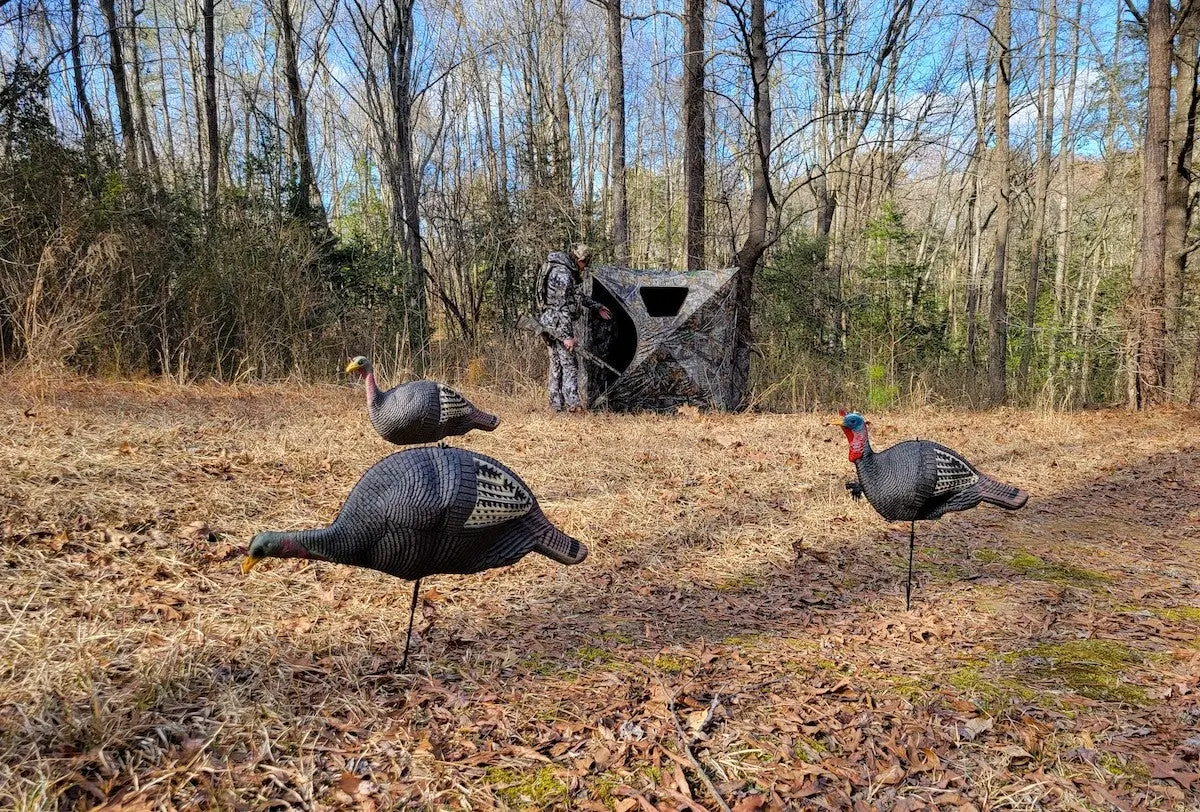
<point>670,341</point>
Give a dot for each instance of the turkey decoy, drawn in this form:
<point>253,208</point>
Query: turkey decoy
<point>418,411</point>
<point>428,510</point>
<point>918,479</point>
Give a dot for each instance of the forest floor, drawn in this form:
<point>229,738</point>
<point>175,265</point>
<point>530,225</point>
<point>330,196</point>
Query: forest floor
<point>738,631</point>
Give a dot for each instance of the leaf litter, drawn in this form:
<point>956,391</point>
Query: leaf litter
<point>737,639</point>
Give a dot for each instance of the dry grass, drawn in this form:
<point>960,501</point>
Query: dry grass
<point>139,668</point>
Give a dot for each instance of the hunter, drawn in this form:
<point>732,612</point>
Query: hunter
<point>560,300</point>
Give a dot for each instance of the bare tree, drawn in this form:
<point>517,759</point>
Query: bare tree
<point>310,193</point>
<point>749,255</point>
<point>693,134</point>
<point>85,109</point>
<point>1147,338</point>
<point>616,122</point>
<point>1044,147</point>
<point>1179,203</point>
<point>998,313</point>
<point>385,35</point>
<point>212,139</point>
<point>116,62</point>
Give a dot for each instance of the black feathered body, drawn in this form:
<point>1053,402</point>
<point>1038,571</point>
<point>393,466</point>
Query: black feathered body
<point>919,479</point>
<point>439,510</point>
<point>423,412</point>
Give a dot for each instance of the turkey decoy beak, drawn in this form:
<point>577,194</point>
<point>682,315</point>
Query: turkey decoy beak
<point>249,562</point>
<point>352,367</point>
<point>837,423</point>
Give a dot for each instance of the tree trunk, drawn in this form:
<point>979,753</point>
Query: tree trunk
<point>998,315</point>
<point>149,156</point>
<point>1045,146</point>
<point>693,133</point>
<point>116,62</point>
<point>616,116</point>
<point>1179,186</point>
<point>310,193</point>
<point>750,254</point>
<point>1147,337</point>
<point>85,109</point>
<point>562,108</point>
<point>210,108</point>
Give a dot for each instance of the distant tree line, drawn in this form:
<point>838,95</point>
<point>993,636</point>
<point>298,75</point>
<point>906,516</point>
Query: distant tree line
<point>983,204</point>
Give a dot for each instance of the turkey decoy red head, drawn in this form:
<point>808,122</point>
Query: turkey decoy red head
<point>855,429</point>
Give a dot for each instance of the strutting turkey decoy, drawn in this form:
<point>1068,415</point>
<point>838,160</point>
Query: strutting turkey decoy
<point>418,411</point>
<point>428,510</point>
<point>919,479</point>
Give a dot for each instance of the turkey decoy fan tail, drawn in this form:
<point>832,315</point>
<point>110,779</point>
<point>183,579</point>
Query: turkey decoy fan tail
<point>1001,494</point>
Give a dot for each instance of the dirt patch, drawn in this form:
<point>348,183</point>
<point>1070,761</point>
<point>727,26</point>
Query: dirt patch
<point>739,628</point>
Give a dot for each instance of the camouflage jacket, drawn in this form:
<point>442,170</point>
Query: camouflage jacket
<point>561,298</point>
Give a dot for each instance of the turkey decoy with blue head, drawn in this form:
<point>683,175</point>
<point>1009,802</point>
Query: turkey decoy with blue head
<point>917,480</point>
<point>418,411</point>
<point>424,511</point>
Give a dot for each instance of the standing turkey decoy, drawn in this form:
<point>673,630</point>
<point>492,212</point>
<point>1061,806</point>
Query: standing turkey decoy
<point>418,411</point>
<point>918,479</point>
<point>428,510</point>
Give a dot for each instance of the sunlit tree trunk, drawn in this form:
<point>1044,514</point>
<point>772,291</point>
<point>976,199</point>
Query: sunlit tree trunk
<point>693,134</point>
<point>116,62</point>
<point>1179,188</point>
<point>749,255</point>
<point>998,313</point>
<point>1048,74</point>
<point>1146,352</point>
<point>212,139</point>
<point>616,123</point>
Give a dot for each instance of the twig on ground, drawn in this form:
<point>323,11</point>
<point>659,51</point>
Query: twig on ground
<point>687,747</point>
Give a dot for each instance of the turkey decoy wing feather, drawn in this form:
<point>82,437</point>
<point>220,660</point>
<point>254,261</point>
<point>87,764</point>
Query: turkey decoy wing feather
<point>451,405</point>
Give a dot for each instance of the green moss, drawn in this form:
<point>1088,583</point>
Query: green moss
<point>617,637</point>
<point>828,665</point>
<point>591,655</point>
<point>542,666</point>
<point>1032,566</point>
<point>602,787</point>
<point>737,582</point>
<point>990,691</point>
<point>1091,668</point>
<point>540,788</point>
<point>939,570</point>
<point>810,749</point>
<point>1129,767</point>
<point>1179,614</point>
<point>671,664</point>
<point>911,689</point>
<point>986,556</point>
<point>652,775</point>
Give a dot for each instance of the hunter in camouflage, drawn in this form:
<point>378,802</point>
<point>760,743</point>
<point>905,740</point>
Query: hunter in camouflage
<point>560,301</point>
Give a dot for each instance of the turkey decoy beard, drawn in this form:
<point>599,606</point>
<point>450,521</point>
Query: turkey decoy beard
<point>918,480</point>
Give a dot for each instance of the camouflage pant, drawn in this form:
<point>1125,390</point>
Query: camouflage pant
<point>564,377</point>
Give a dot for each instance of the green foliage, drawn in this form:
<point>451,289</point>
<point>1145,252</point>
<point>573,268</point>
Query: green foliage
<point>25,112</point>
<point>896,321</point>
